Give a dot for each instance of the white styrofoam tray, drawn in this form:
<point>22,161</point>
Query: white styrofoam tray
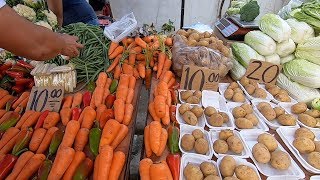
<point>186,129</point>
<point>228,125</point>
<point>245,153</point>
<point>275,100</point>
<point>213,99</point>
<point>261,125</point>
<point>223,87</point>
<point>272,124</point>
<point>201,120</point>
<point>239,162</point>
<point>268,98</point>
<point>250,137</point>
<point>182,101</point>
<point>287,135</point>
<point>196,160</point>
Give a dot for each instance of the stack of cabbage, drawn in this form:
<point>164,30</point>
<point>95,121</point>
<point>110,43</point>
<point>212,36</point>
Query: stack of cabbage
<point>276,43</point>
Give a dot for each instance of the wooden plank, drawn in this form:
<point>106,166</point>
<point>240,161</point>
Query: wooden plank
<point>126,145</point>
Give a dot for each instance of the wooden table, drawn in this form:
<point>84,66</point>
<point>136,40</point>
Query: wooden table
<point>227,79</point>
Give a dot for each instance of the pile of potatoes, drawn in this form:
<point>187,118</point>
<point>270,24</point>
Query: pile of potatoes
<point>206,171</point>
<point>252,88</point>
<point>228,167</point>
<point>307,117</point>
<point>234,93</point>
<point>276,113</point>
<point>279,94</point>
<point>194,38</point>
<point>190,114</point>
<point>265,151</point>
<point>214,117</point>
<point>191,97</point>
<point>305,143</point>
<point>244,116</point>
<point>195,141</point>
<point>228,141</point>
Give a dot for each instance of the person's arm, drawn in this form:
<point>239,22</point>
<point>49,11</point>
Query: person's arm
<point>26,39</point>
<point>57,8</point>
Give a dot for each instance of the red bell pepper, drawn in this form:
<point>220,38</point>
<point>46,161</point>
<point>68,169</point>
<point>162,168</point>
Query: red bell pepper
<point>76,114</point>
<point>173,161</point>
<point>22,81</point>
<point>24,64</point>
<point>83,170</point>
<point>110,100</point>
<point>23,140</point>
<point>172,111</point>
<point>86,99</point>
<point>41,119</point>
<point>14,74</point>
<point>18,88</point>
<point>7,164</point>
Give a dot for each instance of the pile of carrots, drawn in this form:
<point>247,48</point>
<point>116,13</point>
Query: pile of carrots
<point>16,103</point>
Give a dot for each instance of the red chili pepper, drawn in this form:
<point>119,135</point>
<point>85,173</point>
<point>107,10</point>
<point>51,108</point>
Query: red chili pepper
<point>18,88</point>
<point>173,161</point>
<point>106,115</point>
<point>31,84</point>
<point>41,119</point>
<point>22,81</point>
<point>7,164</point>
<point>76,113</point>
<point>14,74</point>
<point>172,111</point>
<point>24,64</point>
<point>5,67</point>
<point>17,68</point>
<point>86,99</point>
<point>110,100</point>
<point>23,140</point>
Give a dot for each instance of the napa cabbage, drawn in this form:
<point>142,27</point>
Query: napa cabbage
<point>260,42</point>
<point>275,27</point>
<point>244,53</point>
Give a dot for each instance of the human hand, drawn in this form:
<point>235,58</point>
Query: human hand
<point>71,48</point>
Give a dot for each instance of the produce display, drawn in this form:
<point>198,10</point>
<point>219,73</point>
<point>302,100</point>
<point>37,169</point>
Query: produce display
<point>234,93</point>
<point>216,118</point>
<point>228,141</point>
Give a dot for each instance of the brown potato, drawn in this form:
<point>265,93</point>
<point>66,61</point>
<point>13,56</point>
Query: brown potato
<point>253,118</point>
<point>192,172</point>
<point>197,110</point>
<point>190,118</point>
<point>280,160</point>
<point>238,90</point>
<point>186,94</point>
<point>304,132</point>
<point>254,83</point>
<point>182,32</point>
<point>247,107</point>
<point>220,146</point>
<point>203,43</point>
<point>198,94</point>
<point>250,89</point>
<point>197,133</point>
<point>299,108</point>
<point>230,178</point>
<point>225,134</point>
<point>304,145</point>
<point>246,172</point>
<point>233,85</point>
<point>187,142</point>
<point>313,159</point>
<point>194,36</point>
<point>287,120</point>
<point>206,34</point>
<point>313,113</point>
<point>193,100</point>
<point>284,92</point>
<point>209,111</point>
<point>268,113</point>
<point>317,144</point>
<point>263,104</point>
<point>227,166</point>
<point>212,177</point>
<point>243,123</point>
<point>238,97</point>
<point>225,116</point>
<point>216,120</point>
<point>201,146</point>
<point>307,120</point>
<point>274,91</point>
<point>261,153</point>
<point>239,112</point>
<point>260,93</point>
<point>269,86</point>
<point>283,98</point>
<point>228,94</point>
<point>244,81</point>
<point>208,169</point>
<point>184,107</point>
<point>235,144</point>
<point>279,111</point>
<point>269,141</point>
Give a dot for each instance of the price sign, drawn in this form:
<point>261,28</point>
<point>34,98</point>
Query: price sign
<point>199,78</point>
<point>45,98</point>
<point>263,72</point>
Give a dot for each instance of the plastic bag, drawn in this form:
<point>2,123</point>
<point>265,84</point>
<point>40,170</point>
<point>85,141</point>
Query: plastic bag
<point>198,56</point>
<point>120,29</point>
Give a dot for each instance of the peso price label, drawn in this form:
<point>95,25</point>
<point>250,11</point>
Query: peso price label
<point>263,72</point>
<point>45,98</point>
<point>199,78</point>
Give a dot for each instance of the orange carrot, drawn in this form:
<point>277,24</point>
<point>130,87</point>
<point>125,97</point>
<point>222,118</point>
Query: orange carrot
<point>142,70</point>
<point>152,112</point>
<point>31,166</point>
<point>6,116</point>
<point>96,168</point>
<point>77,99</point>
<point>140,42</point>
<point>100,111</point>
<point>102,79</point>
<point>36,139</point>
<point>168,41</point>
<point>2,112</point>
<point>112,47</point>
<point>8,135</point>
<point>8,147</point>
<point>116,52</point>
<point>171,82</point>
<point>162,88</point>
<point>118,160</point>
<point>127,69</point>
<point>130,96</point>
<point>124,80</point>
<point>136,50</point>
<point>128,114</point>
<point>106,115</point>
<point>152,62</point>
<point>21,162</point>
<point>108,83</point>
<point>155,67</point>
<point>51,120</point>
<point>147,141</point>
<point>46,140</point>
<point>3,93</point>
<point>163,141</point>
<point>81,139</point>
<point>105,161</point>
<point>117,72</point>
<point>144,168</point>
<point>105,93</point>
<point>88,118</point>
<point>61,163</point>
<point>65,114</point>
<point>98,95</point>
<point>167,76</point>
<point>24,117</point>
<point>67,102</point>
<point>132,59</point>
<point>161,59</point>
<point>70,134</point>
<point>130,40</point>
<point>92,103</point>
<point>148,78</point>
<point>132,82</point>
<point>114,63</point>
<point>124,42</point>
<point>169,98</point>
<point>148,39</point>
<point>123,131</point>
<point>156,129</point>
<point>23,96</point>
<point>160,106</point>
<point>109,132</point>
<point>119,107</point>
<point>166,119</point>
<point>140,57</point>
<point>4,100</point>
<point>79,156</point>
<point>136,73</point>
<point>32,120</point>
<point>160,171</point>
<point>122,92</point>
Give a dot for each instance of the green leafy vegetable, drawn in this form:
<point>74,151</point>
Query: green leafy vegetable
<point>309,50</point>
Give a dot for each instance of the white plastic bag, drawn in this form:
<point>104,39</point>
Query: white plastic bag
<point>120,29</point>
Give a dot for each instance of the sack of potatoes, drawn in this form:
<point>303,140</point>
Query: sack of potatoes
<point>191,97</point>
<point>214,117</point>
<point>244,116</point>
<point>206,171</point>
<point>190,114</point>
<point>253,88</point>
<point>228,142</point>
<point>195,141</point>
